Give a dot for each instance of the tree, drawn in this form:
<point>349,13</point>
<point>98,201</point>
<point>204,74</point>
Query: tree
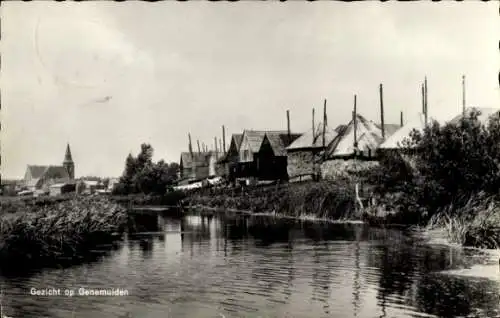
<point>142,175</point>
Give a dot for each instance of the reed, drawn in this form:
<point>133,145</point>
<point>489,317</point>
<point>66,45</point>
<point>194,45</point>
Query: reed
<point>475,223</point>
<point>48,234</point>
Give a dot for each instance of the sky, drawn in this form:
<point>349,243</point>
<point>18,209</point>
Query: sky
<point>108,76</point>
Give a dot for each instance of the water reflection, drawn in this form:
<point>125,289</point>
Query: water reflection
<point>202,266</point>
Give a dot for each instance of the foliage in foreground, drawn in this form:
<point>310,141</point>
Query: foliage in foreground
<point>66,230</point>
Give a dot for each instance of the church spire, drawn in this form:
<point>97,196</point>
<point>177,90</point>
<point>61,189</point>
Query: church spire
<point>68,163</point>
<point>67,156</point>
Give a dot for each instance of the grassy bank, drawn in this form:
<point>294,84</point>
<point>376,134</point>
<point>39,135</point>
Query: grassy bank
<point>62,231</point>
<point>319,200</point>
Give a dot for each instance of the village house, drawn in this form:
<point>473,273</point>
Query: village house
<point>229,162</point>
<point>195,166</point>
<point>359,139</point>
<point>40,178</point>
<point>304,152</point>
<point>251,142</point>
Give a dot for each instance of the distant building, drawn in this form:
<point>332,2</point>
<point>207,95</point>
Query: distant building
<point>42,177</point>
<point>199,165</point>
<point>61,188</point>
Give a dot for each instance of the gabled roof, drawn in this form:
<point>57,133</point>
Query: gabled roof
<point>255,138</point>
<point>305,141</point>
<point>36,171</point>
<point>46,172</point>
<point>368,137</point>
<point>279,142</point>
<point>238,138</point>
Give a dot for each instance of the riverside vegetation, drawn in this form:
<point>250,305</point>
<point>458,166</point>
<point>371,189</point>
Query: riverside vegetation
<point>64,230</point>
<point>448,179</point>
<point>48,231</point>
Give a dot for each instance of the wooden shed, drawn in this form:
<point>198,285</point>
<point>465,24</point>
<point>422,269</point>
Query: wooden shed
<point>271,159</point>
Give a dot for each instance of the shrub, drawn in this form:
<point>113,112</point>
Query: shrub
<point>449,163</point>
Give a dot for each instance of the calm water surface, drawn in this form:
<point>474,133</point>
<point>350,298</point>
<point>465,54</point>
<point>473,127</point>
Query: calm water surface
<point>259,267</point>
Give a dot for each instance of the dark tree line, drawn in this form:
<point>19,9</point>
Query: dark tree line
<point>142,175</point>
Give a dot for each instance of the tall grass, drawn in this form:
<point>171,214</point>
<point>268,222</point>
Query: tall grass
<point>63,231</point>
<point>325,200</point>
<point>475,223</point>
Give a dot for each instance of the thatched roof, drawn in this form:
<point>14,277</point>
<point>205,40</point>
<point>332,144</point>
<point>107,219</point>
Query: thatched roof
<point>484,114</point>
<point>368,134</point>
<point>396,141</point>
<point>279,141</point>
<point>305,141</point>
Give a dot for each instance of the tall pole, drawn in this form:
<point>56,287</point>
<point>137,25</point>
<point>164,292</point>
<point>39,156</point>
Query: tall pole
<point>324,124</point>
<point>288,126</point>
<point>199,150</point>
<point>423,98</point>
<point>313,131</point>
<point>224,138</point>
<point>426,101</point>
<point>382,111</point>
<point>463,94</point>
<point>190,145</point>
<point>401,119</point>
<point>354,118</point>
<point>220,146</point>
<point>215,144</point>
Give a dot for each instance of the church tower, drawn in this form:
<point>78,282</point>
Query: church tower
<point>69,164</point>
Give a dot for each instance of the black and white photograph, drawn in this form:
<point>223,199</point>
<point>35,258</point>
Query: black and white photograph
<point>227,159</point>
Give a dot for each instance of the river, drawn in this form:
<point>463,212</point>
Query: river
<point>260,267</point>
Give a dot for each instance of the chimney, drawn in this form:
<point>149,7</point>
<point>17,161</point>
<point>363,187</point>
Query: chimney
<point>401,119</point>
<point>224,138</point>
<point>190,145</point>
<point>220,146</point>
<point>382,126</point>
<point>313,130</point>
<point>288,126</point>
<point>215,143</point>
<point>354,118</point>
<point>199,150</point>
